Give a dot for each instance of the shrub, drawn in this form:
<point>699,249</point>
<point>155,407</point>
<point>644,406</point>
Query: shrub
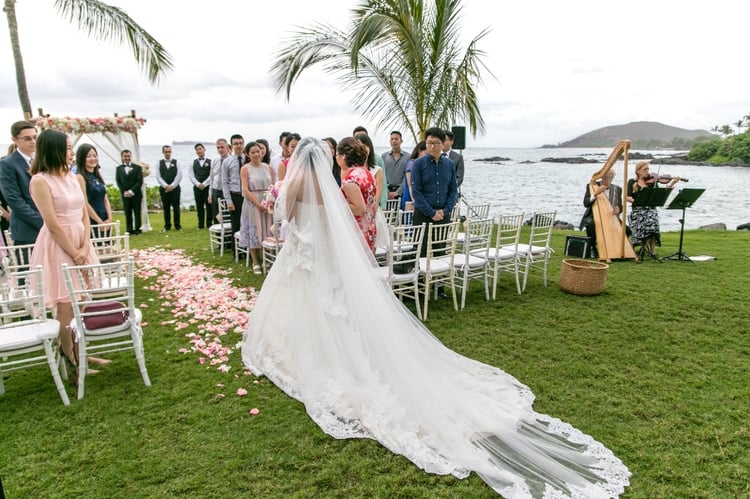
<point>153,200</point>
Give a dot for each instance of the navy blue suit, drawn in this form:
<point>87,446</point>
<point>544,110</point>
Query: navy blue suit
<point>25,220</point>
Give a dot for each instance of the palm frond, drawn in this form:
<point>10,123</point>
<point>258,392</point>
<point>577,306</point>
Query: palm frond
<point>108,23</point>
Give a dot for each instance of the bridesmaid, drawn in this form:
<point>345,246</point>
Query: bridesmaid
<point>87,165</point>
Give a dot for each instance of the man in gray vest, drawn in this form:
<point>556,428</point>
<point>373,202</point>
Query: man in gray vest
<point>169,177</point>
<point>199,176</point>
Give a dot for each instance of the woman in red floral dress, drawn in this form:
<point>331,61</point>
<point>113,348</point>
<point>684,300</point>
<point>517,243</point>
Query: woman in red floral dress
<point>358,186</point>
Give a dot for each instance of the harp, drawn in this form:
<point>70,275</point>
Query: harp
<point>611,240</point>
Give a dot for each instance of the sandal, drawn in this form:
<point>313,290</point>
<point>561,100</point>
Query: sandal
<point>256,269</point>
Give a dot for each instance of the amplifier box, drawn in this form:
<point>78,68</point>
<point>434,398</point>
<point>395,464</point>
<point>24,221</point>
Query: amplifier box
<point>578,246</point>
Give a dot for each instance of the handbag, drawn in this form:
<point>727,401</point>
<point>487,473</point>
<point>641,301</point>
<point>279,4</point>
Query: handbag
<point>117,316</point>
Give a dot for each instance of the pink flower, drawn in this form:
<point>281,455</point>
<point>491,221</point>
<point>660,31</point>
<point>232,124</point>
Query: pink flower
<point>241,392</point>
<point>254,411</point>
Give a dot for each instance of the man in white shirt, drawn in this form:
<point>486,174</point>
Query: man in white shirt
<point>199,176</point>
<point>169,177</point>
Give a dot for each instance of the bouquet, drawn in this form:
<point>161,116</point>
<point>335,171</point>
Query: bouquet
<point>269,199</point>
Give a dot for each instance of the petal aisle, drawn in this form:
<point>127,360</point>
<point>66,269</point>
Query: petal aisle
<point>203,302</point>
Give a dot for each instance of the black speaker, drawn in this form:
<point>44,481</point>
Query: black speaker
<point>459,137</point>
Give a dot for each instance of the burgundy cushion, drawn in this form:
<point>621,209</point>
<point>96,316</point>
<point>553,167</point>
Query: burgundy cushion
<point>117,317</point>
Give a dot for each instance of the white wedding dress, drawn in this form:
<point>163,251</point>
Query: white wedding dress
<point>328,332</point>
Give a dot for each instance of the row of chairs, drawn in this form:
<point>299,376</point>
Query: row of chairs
<point>103,299</point>
<point>454,262</point>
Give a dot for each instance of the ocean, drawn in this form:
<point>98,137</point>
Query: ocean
<point>524,183</point>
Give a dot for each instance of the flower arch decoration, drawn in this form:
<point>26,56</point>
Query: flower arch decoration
<point>115,124</point>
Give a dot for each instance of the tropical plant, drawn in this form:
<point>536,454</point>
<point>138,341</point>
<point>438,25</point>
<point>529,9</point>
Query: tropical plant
<point>102,22</point>
<point>726,130</point>
<point>404,60</point>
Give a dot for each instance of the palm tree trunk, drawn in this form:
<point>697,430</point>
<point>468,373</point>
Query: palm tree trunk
<point>23,91</point>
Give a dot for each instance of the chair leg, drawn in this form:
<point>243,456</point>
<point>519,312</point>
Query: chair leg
<point>140,356</point>
<point>415,289</point>
<point>53,360</point>
<point>83,366</point>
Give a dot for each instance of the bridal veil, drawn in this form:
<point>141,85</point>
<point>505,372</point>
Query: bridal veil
<point>330,333</point>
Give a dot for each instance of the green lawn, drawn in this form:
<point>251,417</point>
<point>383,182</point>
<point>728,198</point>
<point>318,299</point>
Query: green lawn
<point>657,368</point>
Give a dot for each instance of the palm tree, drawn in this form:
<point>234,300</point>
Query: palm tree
<point>726,130</point>
<point>103,22</point>
<point>739,125</point>
<point>403,59</point>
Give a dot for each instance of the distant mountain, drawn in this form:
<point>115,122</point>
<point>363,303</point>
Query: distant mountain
<point>642,135</point>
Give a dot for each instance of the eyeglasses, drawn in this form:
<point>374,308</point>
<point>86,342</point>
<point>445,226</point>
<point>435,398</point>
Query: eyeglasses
<point>431,143</point>
<point>28,138</point>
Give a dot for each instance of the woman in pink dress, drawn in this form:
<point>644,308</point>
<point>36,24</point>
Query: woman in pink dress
<point>60,197</point>
<point>358,186</point>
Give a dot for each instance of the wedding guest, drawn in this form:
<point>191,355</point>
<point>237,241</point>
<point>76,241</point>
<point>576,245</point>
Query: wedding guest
<point>214,180</point>
<point>278,156</point>
<point>231,185</point>
<point>129,179</point>
<point>395,162</point>
<point>335,168</point>
<point>457,158</point>
<point>25,220</point>
<point>376,170</point>
<point>358,186</point>
<point>265,150</point>
<point>433,183</point>
<point>407,203</point>
<point>87,166</point>
<point>290,143</point>
<point>169,177</point>
<point>255,224</point>
<point>64,237</point>
<point>199,176</point>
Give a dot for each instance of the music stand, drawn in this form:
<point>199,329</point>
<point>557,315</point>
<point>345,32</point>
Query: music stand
<point>650,197</point>
<point>684,199</point>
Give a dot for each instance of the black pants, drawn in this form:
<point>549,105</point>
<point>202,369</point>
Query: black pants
<point>216,194</point>
<point>235,215</point>
<point>132,208</point>
<point>419,219</point>
<point>202,206</point>
<point>170,201</point>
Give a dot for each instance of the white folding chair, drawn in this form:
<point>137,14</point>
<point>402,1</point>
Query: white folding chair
<point>471,263</point>
<point>503,256</point>
<point>112,248</point>
<point>271,245</point>
<point>105,230</point>
<point>27,337</point>
<point>436,268</point>
<point>535,255</point>
<point>16,258</point>
<point>392,204</point>
<point>105,317</point>
<point>401,271</point>
<point>220,233</point>
<point>405,217</point>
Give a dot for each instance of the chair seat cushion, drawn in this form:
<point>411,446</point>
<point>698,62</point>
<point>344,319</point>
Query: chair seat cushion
<point>437,265</point>
<point>221,227</point>
<point>506,253</point>
<point>112,314</point>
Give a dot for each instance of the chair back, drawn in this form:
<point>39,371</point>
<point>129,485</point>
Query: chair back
<point>105,230</point>
<point>541,231</point>
<point>403,252</point>
<point>391,217</point>
<point>477,211</point>
<point>405,217</point>
<point>16,258</point>
<point>508,233</point>
<point>441,243</point>
<point>392,204</point>
<point>112,248</point>
<point>22,298</point>
<point>478,237</point>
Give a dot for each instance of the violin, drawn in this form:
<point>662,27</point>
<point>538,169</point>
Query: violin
<point>661,179</point>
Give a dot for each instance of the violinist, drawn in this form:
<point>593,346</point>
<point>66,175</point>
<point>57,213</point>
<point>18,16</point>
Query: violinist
<point>644,221</point>
<point>613,193</point>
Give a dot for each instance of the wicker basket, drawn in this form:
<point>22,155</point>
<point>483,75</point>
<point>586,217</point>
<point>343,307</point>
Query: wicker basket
<point>583,277</point>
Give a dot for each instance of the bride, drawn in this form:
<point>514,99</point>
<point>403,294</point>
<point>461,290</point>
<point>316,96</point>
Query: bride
<point>365,367</point>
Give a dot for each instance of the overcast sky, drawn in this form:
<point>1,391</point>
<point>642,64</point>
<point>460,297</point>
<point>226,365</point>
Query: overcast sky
<point>561,68</point>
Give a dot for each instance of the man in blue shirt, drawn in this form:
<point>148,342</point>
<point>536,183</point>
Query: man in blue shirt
<point>433,183</point>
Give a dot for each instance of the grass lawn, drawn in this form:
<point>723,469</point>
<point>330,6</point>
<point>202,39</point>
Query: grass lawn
<point>657,368</point>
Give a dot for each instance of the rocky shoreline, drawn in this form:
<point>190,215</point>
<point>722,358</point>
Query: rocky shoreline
<point>675,159</point>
